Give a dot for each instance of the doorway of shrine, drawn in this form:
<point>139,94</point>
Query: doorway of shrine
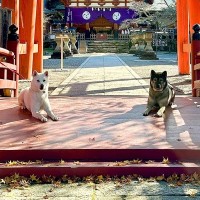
<point>101,25</point>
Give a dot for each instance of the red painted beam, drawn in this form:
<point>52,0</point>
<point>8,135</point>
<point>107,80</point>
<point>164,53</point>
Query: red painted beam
<point>87,169</point>
<point>111,155</point>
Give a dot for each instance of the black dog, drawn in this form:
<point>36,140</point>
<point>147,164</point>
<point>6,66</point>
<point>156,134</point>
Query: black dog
<point>161,93</point>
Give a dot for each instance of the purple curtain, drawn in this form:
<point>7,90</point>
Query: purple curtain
<point>118,15</point>
<point>84,15</point>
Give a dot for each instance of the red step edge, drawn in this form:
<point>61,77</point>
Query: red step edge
<point>100,154</point>
<point>91,169</point>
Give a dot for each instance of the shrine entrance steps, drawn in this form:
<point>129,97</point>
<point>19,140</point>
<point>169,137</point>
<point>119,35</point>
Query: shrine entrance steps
<point>108,46</point>
<point>100,136</point>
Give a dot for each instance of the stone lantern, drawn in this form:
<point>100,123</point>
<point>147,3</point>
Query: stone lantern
<point>134,46</point>
<point>149,53</point>
<point>57,51</point>
<point>73,43</point>
<point>66,47</point>
<point>141,43</point>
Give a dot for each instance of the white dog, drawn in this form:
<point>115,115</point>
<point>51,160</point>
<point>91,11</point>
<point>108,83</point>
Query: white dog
<point>35,98</point>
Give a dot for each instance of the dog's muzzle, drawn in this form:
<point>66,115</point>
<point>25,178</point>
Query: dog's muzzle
<point>41,87</point>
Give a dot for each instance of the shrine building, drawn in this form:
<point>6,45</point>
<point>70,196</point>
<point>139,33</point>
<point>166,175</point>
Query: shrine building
<point>95,15</point>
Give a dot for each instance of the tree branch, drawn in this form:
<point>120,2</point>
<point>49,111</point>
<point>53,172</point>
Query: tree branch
<point>166,3</point>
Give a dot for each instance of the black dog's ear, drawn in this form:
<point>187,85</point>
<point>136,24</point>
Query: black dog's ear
<point>153,73</point>
<point>164,74</point>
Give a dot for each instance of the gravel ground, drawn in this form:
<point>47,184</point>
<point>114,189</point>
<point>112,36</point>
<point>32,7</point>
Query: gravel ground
<point>168,62</point>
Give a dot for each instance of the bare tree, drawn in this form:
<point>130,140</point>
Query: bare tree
<point>145,13</point>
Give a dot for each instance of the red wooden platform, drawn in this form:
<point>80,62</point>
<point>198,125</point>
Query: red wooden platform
<point>98,131</point>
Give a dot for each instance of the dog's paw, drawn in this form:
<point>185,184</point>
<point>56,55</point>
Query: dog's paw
<point>158,114</point>
<point>145,113</point>
<point>173,106</point>
<point>22,107</point>
<point>44,119</point>
<point>55,118</point>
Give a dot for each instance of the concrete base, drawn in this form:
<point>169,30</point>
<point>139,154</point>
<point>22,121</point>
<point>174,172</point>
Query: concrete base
<point>148,55</point>
<point>57,55</point>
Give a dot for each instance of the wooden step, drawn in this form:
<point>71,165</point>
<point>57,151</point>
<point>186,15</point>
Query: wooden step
<point>85,162</point>
<point>98,132</point>
<point>103,155</point>
<point>83,169</point>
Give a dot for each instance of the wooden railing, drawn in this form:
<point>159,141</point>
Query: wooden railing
<point>8,73</point>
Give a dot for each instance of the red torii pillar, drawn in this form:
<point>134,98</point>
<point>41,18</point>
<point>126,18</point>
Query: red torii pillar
<point>183,37</point>
<point>38,57</point>
<point>187,15</point>
<point>28,16</point>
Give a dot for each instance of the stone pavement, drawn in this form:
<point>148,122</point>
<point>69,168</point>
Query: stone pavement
<point>140,70</point>
<point>135,190</point>
<point>102,74</point>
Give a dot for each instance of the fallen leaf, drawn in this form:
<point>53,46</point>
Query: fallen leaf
<point>33,177</point>
<point>127,162</point>
<point>165,161</point>
<point>192,192</point>
<point>62,161</point>
<point>2,181</point>
<point>77,163</point>
<point>45,197</point>
<point>160,178</point>
<point>183,177</point>
<point>100,178</point>
<point>8,189</point>
<point>65,178</point>
<point>179,183</point>
<point>195,176</point>
<point>51,190</point>
<point>57,184</point>
<point>38,161</point>
<point>149,161</point>
<point>169,179</point>
<point>137,161</point>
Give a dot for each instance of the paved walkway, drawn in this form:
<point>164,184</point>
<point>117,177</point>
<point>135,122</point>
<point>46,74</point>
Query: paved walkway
<point>102,74</point>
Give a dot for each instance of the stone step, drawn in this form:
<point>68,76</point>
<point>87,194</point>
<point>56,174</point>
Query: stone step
<point>108,46</point>
<point>106,51</point>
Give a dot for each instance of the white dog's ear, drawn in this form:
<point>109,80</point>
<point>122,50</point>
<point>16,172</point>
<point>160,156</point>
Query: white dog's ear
<point>35,73</point>
<point>46,73</point>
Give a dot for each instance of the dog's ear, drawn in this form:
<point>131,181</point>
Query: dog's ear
<point>46,73</point>
<point>153,73</point>
<point>164,74</point>
<point>35,73</point>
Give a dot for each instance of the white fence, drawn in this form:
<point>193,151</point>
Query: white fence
<point>108,36</point>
